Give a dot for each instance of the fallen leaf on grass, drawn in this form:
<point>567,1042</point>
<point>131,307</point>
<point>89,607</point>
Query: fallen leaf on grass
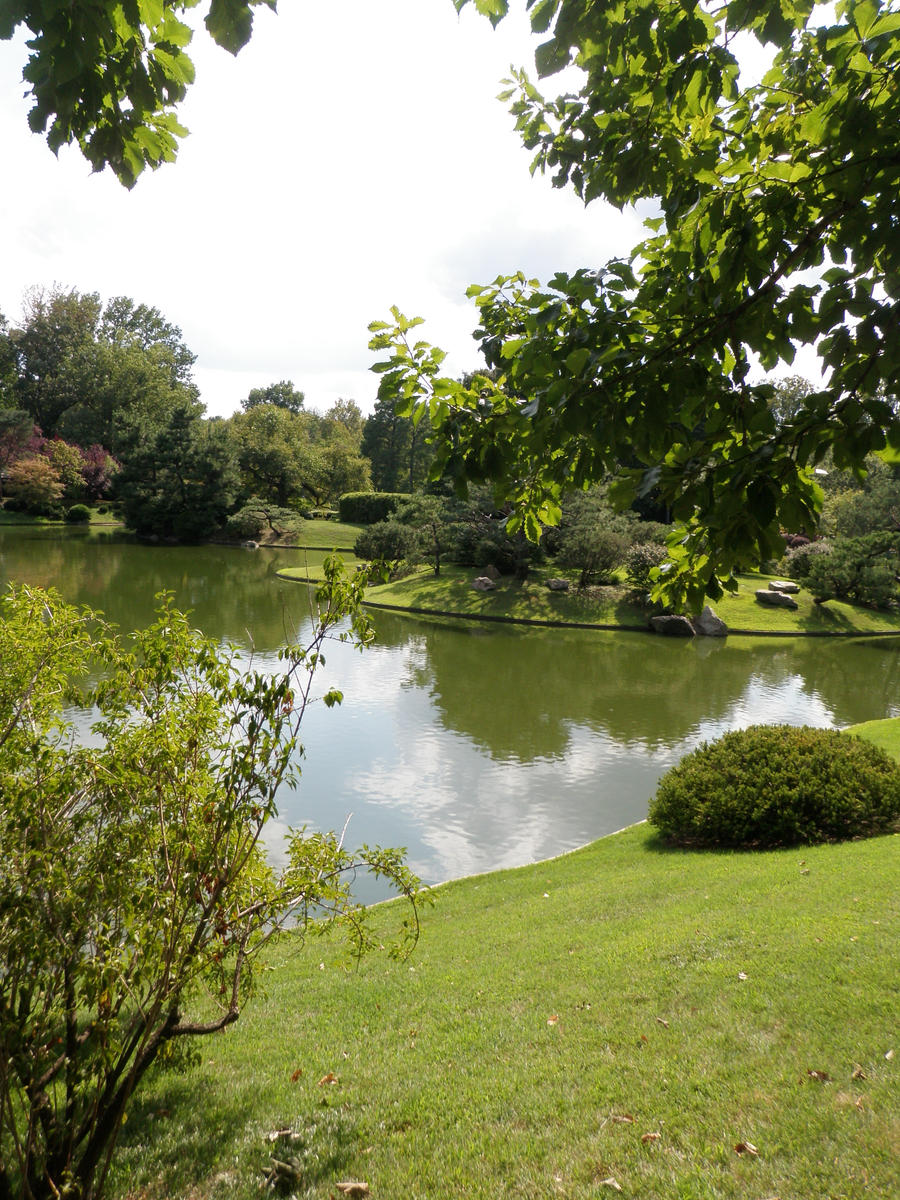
<point>611,1183</point>
<point>746,1148</point>
<point>554,1020</point>
<point>743,975</point>
<point>821,1076</point>
<point>858,1072</point>
<point>276,1134</point>
<point>889,1055</point>
<point>663,1022</point>
<point>329,1078</point>
<point>296,1074</point>
<point>351,1188</point>
<point>650,1137</point>
<point>622,1118</point>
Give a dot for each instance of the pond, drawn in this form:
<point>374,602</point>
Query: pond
<point>476,747</point>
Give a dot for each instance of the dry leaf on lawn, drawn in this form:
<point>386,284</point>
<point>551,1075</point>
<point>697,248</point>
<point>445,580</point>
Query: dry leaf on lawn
<point>746,1148</point>
<point>650,1137</point>
<point>662,1021</point>
<point>623,1118</point>
<point>329,1078</point>
<point>821,1076</point>
<point>352,1188</point>
<point>611,1183</point>
<point>296,1074</point>
<point>554,1020</point>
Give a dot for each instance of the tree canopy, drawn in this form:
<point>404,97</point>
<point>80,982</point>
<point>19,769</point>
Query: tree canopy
<point>108,75</point>
<point>776,228</point>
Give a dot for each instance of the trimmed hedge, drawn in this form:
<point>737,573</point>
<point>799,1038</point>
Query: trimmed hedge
<point>78,514</point>
<point>778,785</point>
<point>365,508</point>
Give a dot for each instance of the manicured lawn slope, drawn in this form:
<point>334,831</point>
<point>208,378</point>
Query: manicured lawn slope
<point>552,1018</point>
<point>885,734</point>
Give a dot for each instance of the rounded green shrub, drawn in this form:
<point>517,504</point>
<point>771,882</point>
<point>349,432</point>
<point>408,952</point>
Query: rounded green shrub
<point>778,785</point>
<point>386,541</point>
<point>78,514</point>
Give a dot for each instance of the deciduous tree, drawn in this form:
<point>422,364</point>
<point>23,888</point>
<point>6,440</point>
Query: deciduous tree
<point>108,76</point>
<point>282,395</point>
<point>776,229</point>
<point>36,484</point>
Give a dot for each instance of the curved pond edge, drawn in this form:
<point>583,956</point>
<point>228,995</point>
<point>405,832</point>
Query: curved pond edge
<point>544,623</point>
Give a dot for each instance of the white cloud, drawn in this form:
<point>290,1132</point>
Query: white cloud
<point>352,157</point>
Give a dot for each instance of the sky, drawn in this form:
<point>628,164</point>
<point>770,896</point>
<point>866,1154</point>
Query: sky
<point>353,156</point>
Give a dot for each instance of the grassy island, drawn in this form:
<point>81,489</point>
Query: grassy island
<point>451,594</point>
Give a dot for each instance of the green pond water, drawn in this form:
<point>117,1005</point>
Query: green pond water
<point>474,746</point>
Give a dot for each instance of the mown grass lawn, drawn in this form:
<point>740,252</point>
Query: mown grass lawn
<point>324,535</point>
<point>624,1017</point>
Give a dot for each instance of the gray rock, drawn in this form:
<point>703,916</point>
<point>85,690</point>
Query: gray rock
<point>250,545</point>
<point>708,624</point>
<point>672,626</point>
<point>491,572</point>
<point>483,584</point>
<point>783,585</point>
<point>558,585</point>
<point>775,599</point>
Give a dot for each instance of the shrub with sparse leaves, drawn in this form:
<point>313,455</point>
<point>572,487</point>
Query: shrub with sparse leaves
<point>778,785</point>
<point>641,559</point>
<point>799,559</point>
<point>135,893</point>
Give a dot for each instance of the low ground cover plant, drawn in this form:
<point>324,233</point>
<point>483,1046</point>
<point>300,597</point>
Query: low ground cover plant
<point>777,785</point>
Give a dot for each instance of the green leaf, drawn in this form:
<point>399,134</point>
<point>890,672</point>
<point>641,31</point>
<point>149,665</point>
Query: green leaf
<point>230,23</point>
<point>577,359</point>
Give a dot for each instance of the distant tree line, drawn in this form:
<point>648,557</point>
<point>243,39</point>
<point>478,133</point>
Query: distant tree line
<point>98,402</point>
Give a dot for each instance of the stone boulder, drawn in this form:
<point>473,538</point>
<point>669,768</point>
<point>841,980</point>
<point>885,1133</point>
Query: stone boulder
<point>708,624</point>
<point>558,585</point>
<point>491,572</point>
<point>775,599</point>
<point>783,585</point>
<point>250,545</point>
<point>483,584</point>
<point>670,625</point>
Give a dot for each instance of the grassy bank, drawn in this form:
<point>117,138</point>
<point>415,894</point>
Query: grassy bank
<point>511,599</point>
<point>623,1015</point>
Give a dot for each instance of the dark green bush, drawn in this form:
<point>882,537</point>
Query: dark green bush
<point>386,541</point>
<point>777,785</point>
<point>365,508</point>
<point>594,551</point>
<point>78,514</point>
<point>860,569</point>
